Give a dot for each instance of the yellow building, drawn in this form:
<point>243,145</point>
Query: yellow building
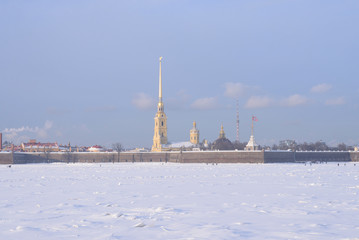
<point>160,131</point>
<point>194,134</point>
<point>33,146</point>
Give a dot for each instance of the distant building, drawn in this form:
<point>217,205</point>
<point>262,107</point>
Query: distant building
<point>194,134</point>
<point>33,146</point>
<point>0,142</point>
<point>222,143</point>
<point>139,150</point>
<point>205,144</point>
<point>177,146</point>
<point>252,145</point>
<point>96,148</point>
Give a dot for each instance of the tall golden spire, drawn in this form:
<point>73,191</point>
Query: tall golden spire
<point>160,83</point>
<point>160,130</point>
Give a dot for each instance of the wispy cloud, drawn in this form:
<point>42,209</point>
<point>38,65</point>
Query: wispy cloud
<point>295,100</point>
<point>236,90</point>
<point>321,88</point>
<point>18,135</point>
<point>178,101</point>
<point>259,102</point>
<point>205,103</point>
<point>335,101</point>
<point>143,101</point>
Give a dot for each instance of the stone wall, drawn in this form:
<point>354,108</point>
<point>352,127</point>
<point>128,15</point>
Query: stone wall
<point>5,158</point>
<point>222,157</point>
<point>20,158</point>
<point>354,156</point>
<point>322,157</point>
<point>182,157</point>
<point>279,157</point>
<point>179,157</point>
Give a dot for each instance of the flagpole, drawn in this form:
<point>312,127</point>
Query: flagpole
<point>252,127</point>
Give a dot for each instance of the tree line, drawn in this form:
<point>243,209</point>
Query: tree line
<point>284,145</point>
<point>310,146</point>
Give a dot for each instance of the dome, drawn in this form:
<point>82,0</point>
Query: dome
<point>223,144</point>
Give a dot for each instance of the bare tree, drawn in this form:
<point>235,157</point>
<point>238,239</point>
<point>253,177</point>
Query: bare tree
<point>111,157</point>
<point>69,156</point>
<point>342,147</point>
<point>239,145</point>
<point>47,154</point>
<point>118,148</point>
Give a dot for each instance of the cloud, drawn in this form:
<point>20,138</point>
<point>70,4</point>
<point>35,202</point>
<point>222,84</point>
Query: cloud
<point>178,101</point>
<point>335,101</point>
<point>48,125</point>
<point>295,100</point>
<point>18,135</point>
<point>259,102</point>
<point>21,129</point>
<point>321,88</point>
<point>236,90</point>
<point>143,101</point>
<point>205,103</point>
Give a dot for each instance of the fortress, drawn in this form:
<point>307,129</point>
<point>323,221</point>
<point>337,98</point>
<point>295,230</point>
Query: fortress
<point>162,151</point>
<point>181,157</point>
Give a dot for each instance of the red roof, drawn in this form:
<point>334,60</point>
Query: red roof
<point>96,146</point>
<point>40,145</point>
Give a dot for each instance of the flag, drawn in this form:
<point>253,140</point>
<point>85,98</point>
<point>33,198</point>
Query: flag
<point>254,118</point>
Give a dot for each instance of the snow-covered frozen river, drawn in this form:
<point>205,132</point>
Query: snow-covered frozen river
<point>179,201</point>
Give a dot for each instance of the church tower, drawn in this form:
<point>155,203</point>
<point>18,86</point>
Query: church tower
<point>160,134</point>
<point>221,133</point>
<point>194,134</point>
<point>252,145</point>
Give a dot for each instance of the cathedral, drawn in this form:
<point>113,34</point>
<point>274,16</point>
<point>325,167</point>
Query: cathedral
<point>160,142</point>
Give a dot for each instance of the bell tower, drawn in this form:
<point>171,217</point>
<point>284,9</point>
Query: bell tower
<point>221,133</point>
<point>160,133</point>
<point>194,134</point>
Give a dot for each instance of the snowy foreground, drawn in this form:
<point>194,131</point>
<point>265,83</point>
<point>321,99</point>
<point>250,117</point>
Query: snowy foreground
<point>179,201</point>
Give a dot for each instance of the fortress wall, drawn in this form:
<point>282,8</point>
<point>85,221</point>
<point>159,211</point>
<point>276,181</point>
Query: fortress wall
<point>5,158</point>
<point>21,158</point>
<point>354,156</point>
<point>279,157</point>
<point>222,157</point>
<point>322,157</point>
<point>184,157</point>
<point>146,157</point>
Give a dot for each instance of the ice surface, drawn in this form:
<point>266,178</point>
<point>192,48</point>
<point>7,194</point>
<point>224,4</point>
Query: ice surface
<point>179,201</point>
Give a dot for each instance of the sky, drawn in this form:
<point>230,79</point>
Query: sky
<point>86,72</point>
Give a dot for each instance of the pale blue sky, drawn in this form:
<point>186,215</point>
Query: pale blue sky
<point>87,71</point>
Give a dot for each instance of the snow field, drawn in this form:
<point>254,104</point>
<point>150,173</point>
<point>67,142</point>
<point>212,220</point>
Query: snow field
<point>179,201</point>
